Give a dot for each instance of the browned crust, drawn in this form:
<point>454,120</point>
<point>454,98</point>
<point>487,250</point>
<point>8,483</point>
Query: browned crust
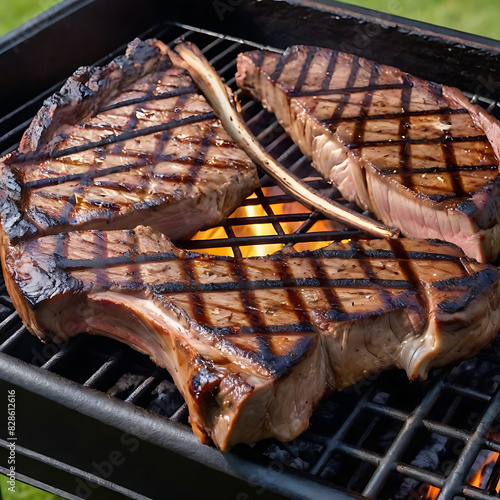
<point>86,90</point>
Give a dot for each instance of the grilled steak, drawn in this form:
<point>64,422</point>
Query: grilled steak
<point>127,144</point>
<point>419,155</point>
<point>253,344</point>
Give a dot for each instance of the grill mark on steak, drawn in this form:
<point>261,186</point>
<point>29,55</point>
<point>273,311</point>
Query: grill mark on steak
<point>359,129</point>
<point>364,262</point>
<point>149,97</point>
<point>72,263</point>
<point>325,84</point>
<point>101,250</point>
<point>164,138</point>
<point>133,119</point>
<point>248,299</point>
<point>294,328</point>
<point>304,70</point>
<point>198,305</point>
<point>404,260</point>
<point>281,64</point>
<point>198,162</point>
<point>437,140</point>
<point>339,109</point>
<point>260,58</point>
<point>344,90</point>
<point>388,116</point>
<point>472,283</point>
<point>280,365</point>
<point>300,309</point>
<point>406,169</point>
<point>134,133</point>
<point>88,175</point>
<point>451,162</point>
<point>437,170</point>
<point>328,291</point>
<point>60,249</point>
<point>133,272</point>
<point>140,163</point>
<point>249,286</point>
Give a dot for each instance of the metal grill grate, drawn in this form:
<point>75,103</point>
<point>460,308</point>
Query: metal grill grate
<point>384,437</point>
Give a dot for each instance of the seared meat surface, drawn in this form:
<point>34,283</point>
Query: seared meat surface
<point>120,145</point>
<point>419,155</point>
<point>253,344</point>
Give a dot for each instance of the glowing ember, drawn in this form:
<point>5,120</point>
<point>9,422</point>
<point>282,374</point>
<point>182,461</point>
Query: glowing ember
<point>481,477</point>
<point>261,227</point>
<point>432,493</point>
<point>214,233</point>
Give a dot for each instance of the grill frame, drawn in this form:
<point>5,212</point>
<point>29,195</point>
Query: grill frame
<point>169,439</point>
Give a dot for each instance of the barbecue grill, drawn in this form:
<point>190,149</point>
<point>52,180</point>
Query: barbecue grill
<point>95,419</point>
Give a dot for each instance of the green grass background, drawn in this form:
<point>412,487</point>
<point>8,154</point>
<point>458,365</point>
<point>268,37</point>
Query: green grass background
<point>23,492</point>
<point>480,17</point>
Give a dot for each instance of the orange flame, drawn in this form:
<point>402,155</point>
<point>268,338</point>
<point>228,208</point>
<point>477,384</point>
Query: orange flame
<point>480,478</point>
<point>261,228</point>
<point>432,493</point>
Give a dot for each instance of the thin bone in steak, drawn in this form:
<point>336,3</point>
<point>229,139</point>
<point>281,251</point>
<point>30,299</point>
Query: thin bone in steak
<point>418,154</point>
<point>129,143</point>
<point>253,344</point>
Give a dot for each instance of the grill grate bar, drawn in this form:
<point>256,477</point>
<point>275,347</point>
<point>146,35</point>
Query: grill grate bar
<point>422,475</point>
<point>181,414</point>
<point>493,445</point>
<point>241,41</point>
<point>388,411</point>
<point>208,47</point>
<point>13,339</point>
<point>13,133</point>
<point>265,205</point>
<point>273,126</point>
<point>360,453</point>
<point>232,237</point>
<point>234,47</point>
<point>454,483</point>
<point>446,430</point>
<point>469,393</point>
<point>270,218</point>
<point>243,241</point>
<point>475,493</point>
<point>9,321</point>
<point>64,351</point>
<point>401,442</point>
<point>256,118</point>
<point>102,372</point>
<point>146,386</point>
<point>335,440</point>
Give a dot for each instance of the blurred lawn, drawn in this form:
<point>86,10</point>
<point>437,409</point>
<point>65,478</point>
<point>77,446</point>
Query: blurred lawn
<point>23,492</point>
<point>479,17</point>
<point>15,12</point>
